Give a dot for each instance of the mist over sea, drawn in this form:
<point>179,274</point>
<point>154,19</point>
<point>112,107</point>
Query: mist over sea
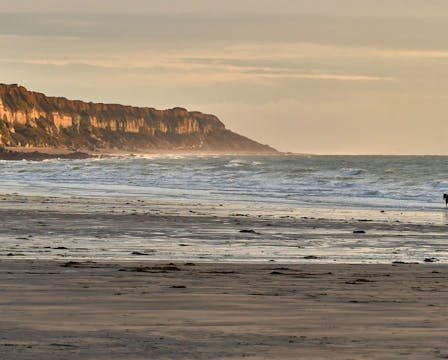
<point>359,182</point>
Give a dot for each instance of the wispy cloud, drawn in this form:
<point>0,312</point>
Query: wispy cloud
<point>181,72</point>
<point>303,50</point>
<point>36,36</point>
<point>225,64</point>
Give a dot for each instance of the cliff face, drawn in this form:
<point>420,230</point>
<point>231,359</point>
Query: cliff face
<point>30,119</point>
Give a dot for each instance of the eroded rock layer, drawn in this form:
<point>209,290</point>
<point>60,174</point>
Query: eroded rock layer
<point>31,119</point>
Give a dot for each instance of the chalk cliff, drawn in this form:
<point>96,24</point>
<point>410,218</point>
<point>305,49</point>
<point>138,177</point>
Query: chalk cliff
<point>31,119</point>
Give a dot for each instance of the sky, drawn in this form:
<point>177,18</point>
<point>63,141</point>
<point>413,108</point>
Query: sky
<point>321,76</point>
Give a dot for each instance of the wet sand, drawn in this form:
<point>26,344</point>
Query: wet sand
<point>149,310</point>
<point>125,279</point>
<point>99,228</point>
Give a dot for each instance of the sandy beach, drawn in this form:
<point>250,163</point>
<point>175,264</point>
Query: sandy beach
<point>149,310</point>
<point>206,180</point>
<point>98,278</point>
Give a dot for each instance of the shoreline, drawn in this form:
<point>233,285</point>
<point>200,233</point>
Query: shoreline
<point>114,228</point>
<point>39,154</point>
<point>80,278</point>
<point>176,310</point>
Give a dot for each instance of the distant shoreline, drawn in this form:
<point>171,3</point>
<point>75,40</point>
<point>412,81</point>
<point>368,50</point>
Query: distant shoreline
<point>46,153</point>
<point>40,154</point>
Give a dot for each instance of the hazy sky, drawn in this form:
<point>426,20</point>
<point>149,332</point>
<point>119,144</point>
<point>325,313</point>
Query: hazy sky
<point>321,76</point>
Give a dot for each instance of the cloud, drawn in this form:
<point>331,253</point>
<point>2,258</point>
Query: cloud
<point>303,50</point>
<point>178,72</point>
<point>34,37</point>
<point>414,8</point>
<point>231,63</point>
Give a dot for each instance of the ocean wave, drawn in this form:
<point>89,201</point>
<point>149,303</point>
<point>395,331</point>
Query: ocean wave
<point>414,182</point>
<point>352,172</point>
<point>236,163</point>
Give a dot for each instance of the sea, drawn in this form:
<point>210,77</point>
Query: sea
<point>388,189</point>
<point>369,182</point>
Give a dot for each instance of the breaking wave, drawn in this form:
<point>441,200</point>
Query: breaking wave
<point>353,181</point>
